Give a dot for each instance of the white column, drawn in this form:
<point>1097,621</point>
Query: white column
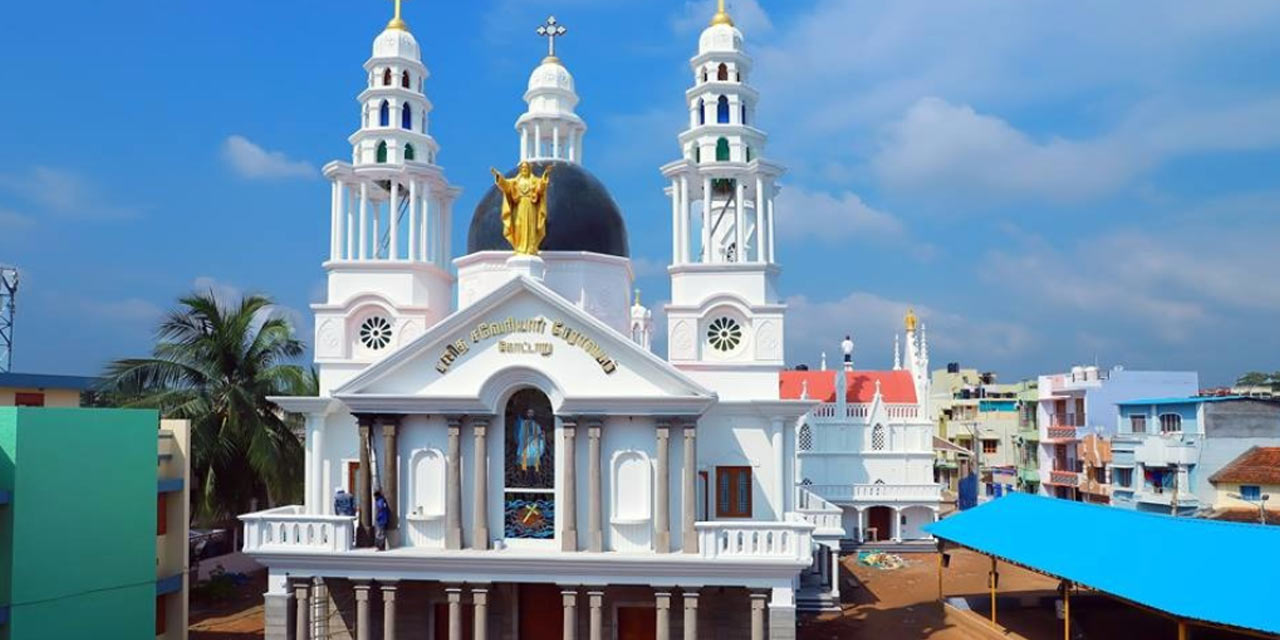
<point>570,614</point>
<point>707,254</point>
<point>685,254</point>
<point>393,221</point>
<point>573,145</point>
<point>428,230</point>
<point>675,221</point>
<point>413,220</point>
<point>662,515</point>
<point>773,257</point>
<point>364,220</point>
<point>896,527</point>
<point>760,256</point>
<point>376,251</point>
<point>779,474</point>
<point>316,428</point>
<point>537,140</point>
<point>335,220</point>
<point>351,213</point>
<point>524,143</point>
<point>740,227</point>
<point>555,142</point>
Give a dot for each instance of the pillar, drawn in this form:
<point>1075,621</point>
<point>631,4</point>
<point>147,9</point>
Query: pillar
<point>740,227</point>
<point>393,221</point>
<point>364,497</point>
<point>413,220</point>
<point>690,615</point>
<point>351,221</point>
<point>834,557</point>
<point>555,142</point>
<point>362,610</point>
<point>675,221</point>
<point>595,530</point>
<point>773,257</point>
<point>320,608</point>
<point>782,614</point>
<point>570,623</point>
<point>364,220</point>
<point>760,254</point>
<point>780,466</point>
<point>662,514</point>
<point>454,595</point>
<point>689,501</point>
<point>453,488</point>
<point>896,525</point>
<point>335,224</point>
<point>389,610</point>
<point>480,486</point>
<point>302,601</point>
<point>429,234</point>
<point>993,581</point>
<point>275,607</point>
<point>706,220</point>
<point>569,512</point>
<point>480,609</point>
<point>685,254</point>
<point>524,143</point>
<point>595,600</point>
<point>662,612</point>
<point>757,615</point>
<point>537,140</point>
<point>391,471</point>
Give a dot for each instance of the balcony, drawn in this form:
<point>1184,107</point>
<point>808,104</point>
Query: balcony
<point>1164,496</point>
<point>897,492</point>
<point>290,529</point>
<point>830,412</point>
<point>1064,478</point>
<point>823,515</point>
<point>1164,451</point>
<point>790,540</point>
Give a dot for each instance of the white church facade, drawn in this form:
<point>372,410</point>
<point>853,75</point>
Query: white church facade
<point>547,475</point>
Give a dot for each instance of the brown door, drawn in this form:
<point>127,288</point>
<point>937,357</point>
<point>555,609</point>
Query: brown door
<point>541,612</point>
<point>637,623</point>
<point>880,519</point>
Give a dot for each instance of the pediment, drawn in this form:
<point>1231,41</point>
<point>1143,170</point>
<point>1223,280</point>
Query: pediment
<point>524,334</point>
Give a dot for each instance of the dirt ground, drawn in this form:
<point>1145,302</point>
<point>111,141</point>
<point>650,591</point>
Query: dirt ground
<point>238,618</point>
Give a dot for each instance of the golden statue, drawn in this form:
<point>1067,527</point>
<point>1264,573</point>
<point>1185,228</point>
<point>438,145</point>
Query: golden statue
<point>524,208</point>
<point>911,320</point>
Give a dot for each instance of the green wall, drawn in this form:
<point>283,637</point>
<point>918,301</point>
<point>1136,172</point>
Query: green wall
<point>82,552</point>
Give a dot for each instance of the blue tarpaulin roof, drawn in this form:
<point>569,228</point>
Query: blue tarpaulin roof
<point>1206,570</point>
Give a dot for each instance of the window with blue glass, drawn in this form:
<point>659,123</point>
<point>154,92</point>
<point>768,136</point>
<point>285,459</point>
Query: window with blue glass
<point>384,114</point>
<point>722,110</point>
<point>702,111</point>
<point>1250,492</point>
<point>733,492</point>
<point>529,468</point>
<point>406,117</point>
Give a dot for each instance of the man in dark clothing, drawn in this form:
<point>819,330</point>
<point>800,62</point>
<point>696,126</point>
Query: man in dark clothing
<point>344,504</point>
<point>382,517</point>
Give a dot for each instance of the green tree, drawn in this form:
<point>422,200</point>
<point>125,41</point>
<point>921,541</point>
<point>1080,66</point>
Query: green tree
<point>215,364</point>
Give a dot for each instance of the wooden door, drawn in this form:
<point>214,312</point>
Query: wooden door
<point>880,519</point>
<point>637,623</point>
<point>541,612</point>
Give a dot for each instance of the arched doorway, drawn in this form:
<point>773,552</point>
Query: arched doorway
<point>529,469</point>
<point>879,524</point>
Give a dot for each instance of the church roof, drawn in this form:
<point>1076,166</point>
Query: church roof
<point>895,386</point>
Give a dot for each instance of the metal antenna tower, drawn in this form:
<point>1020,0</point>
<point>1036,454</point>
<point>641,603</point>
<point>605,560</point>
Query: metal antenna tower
<point>8,292</point>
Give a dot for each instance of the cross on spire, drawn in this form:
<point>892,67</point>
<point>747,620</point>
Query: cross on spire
<point>550,30</point>
<point>397,22</point>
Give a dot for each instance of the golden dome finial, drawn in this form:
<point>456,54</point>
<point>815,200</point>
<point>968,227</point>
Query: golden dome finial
<point>722,16</point>
<point>911,321</point>
<point>397,22</point>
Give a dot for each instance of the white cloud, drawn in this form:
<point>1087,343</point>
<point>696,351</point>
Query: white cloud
<point>227,293</point>
<point>251,161</point>
<point>64,194</point>
<point>823,217</point>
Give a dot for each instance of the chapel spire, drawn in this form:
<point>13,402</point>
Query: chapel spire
<point>722,16</point>
<point>550,129</point>
<point>397,22</point>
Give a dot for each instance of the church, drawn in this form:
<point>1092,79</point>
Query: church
<point>544,473</point>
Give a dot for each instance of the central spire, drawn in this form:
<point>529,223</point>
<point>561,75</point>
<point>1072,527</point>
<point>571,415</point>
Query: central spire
<point>397,22</point>
<point>551,30</point>
<point>722,16</point>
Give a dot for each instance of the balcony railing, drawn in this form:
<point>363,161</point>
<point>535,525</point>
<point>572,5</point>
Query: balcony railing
<point>1061,433</point>
<point>822,514</point>
<point>831,411</point>
<point>289,528</point>
<point>897,492</point>
<point>789,540</point>
<point>1068,478</point>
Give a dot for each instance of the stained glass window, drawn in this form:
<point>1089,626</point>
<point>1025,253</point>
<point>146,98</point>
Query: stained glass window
<point>529,469</point>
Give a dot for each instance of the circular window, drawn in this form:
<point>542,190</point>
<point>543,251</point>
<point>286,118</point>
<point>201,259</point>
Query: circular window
<point>375,333</point>
<point>724,334</point>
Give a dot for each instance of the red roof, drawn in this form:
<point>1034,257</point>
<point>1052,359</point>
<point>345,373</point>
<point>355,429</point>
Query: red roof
<point>1259,465</point>
<point>895,386</point>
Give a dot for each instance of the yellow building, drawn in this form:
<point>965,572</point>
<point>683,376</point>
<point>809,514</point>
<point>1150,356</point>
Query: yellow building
<point>35,390</point>
<point>173,516</point>
<point>1248,488</point>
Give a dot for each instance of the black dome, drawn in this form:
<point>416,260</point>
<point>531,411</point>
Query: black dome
<point>581,215</point>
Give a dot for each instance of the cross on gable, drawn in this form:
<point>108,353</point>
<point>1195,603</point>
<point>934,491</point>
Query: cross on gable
<point>550,30</point>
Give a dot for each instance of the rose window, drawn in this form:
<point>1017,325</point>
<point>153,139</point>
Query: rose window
<point>724,334</point>
<point>375,333</point>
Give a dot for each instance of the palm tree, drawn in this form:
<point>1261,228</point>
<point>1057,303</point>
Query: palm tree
<point>215,365</point>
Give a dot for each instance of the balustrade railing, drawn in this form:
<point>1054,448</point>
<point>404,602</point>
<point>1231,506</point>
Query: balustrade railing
<point>788,540</point>
<point>822,514</point>
<point>290,529</point>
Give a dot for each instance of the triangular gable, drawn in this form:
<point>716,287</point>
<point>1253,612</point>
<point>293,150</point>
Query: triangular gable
<point>523,325</point>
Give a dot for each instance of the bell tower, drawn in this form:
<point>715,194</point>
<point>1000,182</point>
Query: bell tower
<point>725,313</point>
<point>388,278</point>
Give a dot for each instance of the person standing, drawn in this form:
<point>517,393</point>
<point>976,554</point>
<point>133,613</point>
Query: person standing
<point>382,517</point>
<point>344,504</point>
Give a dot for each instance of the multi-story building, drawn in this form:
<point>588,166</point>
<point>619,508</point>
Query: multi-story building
<point>1168,449</point>
<point>1027,442</point>
<point>868,448</point>
<point>543,471</point>
<point>1248,488</point>
<point>41,390</point>
<point>975,412</point>
<point>130,563</point>
<point>1083,402</point>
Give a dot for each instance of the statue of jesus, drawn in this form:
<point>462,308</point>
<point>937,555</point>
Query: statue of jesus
<point>524,208</point>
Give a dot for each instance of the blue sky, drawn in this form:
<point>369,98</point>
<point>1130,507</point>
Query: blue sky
<point>1047,183</point>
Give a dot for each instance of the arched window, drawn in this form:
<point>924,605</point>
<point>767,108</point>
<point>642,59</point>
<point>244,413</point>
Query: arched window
<point>404,80</point>
<point>384,114</point>
<point>406,117</point>
<point>722,110</point>
<point>723,73</point>
<point>382,151</point>
<point>722,150</point>
<point>805,438</point>
<point>702,111</point>
<point>386,78</point>
<point>704,75</point>
<point>877,438</point>
<point>529,470</point>
<point>1170,423</point>
<point>697,153</point>
<point>743,120</point>
<point>748,154</point>
<point>409,153</point>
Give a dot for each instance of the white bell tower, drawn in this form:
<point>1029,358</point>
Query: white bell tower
<point>725,314</point>
<point>388,277</point>
<point>550,129</point>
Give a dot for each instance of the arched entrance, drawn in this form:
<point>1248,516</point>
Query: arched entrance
<point>879,524</point>
<point>529,469</point>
